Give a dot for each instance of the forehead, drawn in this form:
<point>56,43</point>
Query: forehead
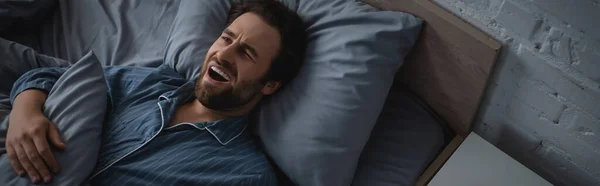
<point>254,31</point>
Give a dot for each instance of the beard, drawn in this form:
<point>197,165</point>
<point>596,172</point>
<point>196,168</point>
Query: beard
<point>232,98</point>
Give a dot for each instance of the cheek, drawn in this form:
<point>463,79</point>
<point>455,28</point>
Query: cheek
<point>211,52</point>
<point>245,71</point>
<point>213,49</point>
<point>250,72</point>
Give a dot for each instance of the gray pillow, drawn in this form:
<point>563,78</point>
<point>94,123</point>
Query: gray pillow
<point>4,112</point>
<point>315,128</point>
<point>16,60</point>
<point>196,26</point>
<point>406,138</point>
<point>77,105</point>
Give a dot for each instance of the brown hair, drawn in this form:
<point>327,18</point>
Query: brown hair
<point>288,62</point>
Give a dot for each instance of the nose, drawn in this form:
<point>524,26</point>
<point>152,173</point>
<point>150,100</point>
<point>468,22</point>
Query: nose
<point>227,54</point>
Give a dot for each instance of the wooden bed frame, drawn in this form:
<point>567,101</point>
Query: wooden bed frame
<point>448,68</point>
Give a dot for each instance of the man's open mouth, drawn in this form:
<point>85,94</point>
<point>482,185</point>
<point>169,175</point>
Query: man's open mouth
<point>217,74</point>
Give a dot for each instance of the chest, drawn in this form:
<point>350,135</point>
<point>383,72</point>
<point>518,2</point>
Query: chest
<point>185,156</point>
<point>128,128</point>
<point>181,115</point>
<point>136,120</point>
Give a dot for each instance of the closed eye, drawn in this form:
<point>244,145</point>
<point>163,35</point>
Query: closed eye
<point>248,55</point>
<point>226,39</point>
<point>249,51</point>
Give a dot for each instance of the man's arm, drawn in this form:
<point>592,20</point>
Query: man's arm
<point>42,79</point>
<point>27,146</point>
<point>27,122</point>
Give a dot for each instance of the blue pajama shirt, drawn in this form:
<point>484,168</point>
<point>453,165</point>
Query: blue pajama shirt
<point>138,148</point>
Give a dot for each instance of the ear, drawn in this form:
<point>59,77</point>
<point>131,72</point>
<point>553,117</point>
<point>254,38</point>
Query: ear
<point>271,87</point>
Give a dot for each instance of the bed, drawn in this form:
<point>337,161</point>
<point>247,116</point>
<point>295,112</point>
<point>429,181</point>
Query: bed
<point>448,68</point>
<point>444,77</point>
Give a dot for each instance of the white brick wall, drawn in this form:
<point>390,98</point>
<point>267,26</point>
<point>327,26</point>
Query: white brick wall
<point>511,13</point>
<point>588,63</point>
<point>543,103</point>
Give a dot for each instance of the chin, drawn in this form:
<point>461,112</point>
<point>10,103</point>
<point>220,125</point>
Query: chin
<point>214,88</point>
<point>204,90</point>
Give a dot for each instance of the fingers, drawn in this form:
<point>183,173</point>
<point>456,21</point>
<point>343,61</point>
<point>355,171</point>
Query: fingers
<point>29,168</point>
<point>36,159</point>
<point>43,148</point>
<point>55,137</point>
<point>14,160</point>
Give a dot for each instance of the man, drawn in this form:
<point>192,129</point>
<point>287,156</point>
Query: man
<point>163,129</point>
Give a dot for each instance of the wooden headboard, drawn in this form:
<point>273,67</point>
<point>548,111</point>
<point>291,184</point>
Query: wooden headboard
<point>450,64</point>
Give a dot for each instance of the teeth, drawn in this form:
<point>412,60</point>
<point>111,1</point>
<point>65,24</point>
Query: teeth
<point>220,72</point>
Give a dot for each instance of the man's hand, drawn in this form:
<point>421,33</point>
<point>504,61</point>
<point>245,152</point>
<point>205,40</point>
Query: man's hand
<point>29,131</point>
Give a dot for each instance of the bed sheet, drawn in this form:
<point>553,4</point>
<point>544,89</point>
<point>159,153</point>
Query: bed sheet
<point>132,32</point>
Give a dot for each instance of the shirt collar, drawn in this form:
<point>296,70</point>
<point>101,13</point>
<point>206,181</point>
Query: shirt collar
<point>227,130</point>
<point>224,131</point>
<point>182,94</point>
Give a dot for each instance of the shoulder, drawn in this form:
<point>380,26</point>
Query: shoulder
<point>134,76</point>
<point>137,71</point>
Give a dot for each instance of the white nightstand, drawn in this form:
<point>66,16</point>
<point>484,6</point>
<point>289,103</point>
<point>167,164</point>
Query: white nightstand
<point>479,163</point>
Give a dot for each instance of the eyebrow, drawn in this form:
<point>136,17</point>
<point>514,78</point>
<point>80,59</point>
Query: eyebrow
<point>243,45</point>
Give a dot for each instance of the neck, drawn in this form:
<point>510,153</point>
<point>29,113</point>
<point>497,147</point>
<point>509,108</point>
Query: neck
<point>194,111</point>
<point>203,113</point>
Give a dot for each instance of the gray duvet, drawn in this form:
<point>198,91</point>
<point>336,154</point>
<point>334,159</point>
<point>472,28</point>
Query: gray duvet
<point>119,32</point>
<point>135,30</point>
